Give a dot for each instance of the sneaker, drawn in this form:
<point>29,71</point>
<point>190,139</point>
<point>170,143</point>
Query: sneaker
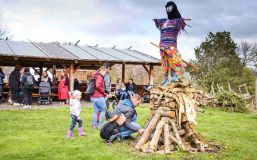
<point>119,139</point>
<point>25,107</point>
<point>10,101</point>
<point>130,137</point>
<point>29,107</point>
<point>16,104</point>
<point>93,127</point>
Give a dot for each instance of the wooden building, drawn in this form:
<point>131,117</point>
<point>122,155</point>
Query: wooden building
<point>70,57</point>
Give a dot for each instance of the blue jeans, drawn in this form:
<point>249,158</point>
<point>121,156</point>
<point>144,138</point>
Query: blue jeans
<point>125,132</point>
<point>99,105</point>
<point>130,93</point>
<point>123,94</point>
<point>74,120</point>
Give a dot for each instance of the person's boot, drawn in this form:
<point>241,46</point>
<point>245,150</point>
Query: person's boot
<point>81,132</point>
<point>69,134</point>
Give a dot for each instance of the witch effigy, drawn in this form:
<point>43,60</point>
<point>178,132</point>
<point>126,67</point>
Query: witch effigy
<point>173,107</point>
<point>170,27</point>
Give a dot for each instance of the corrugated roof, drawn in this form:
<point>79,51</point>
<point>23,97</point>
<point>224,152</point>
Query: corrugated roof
<point>139,55</point>
<point>118,54</point>
<point>78,52</point>
<point>25,49</point>
<point>55,51</point>
<point>71,52</point>
<point>5,49</point>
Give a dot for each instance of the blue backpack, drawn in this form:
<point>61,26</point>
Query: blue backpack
<point>29,82</point>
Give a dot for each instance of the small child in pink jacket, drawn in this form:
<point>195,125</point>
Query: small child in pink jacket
<point>75,109</point>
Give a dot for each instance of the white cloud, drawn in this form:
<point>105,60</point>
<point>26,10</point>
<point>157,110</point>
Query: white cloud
<point>123,23</point>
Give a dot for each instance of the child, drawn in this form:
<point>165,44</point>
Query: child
<point>75,109</point>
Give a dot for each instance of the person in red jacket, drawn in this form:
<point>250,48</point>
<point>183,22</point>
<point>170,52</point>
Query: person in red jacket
<point>98,98</point>
<point>63,88</point>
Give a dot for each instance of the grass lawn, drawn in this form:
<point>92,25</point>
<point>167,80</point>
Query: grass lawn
<point>41,134</point>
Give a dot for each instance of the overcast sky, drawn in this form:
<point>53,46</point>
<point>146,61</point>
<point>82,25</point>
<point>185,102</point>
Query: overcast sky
<point>126,23</point>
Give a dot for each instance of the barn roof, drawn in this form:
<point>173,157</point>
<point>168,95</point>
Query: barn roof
<point>11,51</point>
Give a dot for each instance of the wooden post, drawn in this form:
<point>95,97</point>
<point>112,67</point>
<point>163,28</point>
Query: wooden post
<point>40,72</point>
<point>54,75</point>
<point>123,72</point>
<point>229,88</point>
<point>167,142</point>
<point>156,136</point>
<point>36,70</point>
<point>179,142</point>
<point>148,131</point>
<point>151,75</point>
<point>71,74</point>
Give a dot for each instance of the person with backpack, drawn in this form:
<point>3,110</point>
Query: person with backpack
<point>27,84</point>
<point>98,97</point>
<point>112,130</point>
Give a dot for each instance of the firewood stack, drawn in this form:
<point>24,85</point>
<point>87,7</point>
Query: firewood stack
<point>171,124</point>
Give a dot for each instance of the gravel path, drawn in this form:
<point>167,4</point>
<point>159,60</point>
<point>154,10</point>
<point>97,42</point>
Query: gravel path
<point>7,106</point>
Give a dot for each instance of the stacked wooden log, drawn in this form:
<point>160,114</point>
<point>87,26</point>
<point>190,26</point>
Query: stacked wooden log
<point>171,124</point>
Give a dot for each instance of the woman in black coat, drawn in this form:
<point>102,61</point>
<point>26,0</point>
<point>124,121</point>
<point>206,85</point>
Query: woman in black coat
<point>2,76</point>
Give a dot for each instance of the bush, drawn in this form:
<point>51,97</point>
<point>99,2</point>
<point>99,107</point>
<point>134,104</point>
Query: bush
<point>229,102</point>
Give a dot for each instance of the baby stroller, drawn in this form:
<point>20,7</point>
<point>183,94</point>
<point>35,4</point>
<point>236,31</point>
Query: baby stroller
<point>116,98</point>
<point>146,94</point>
<point>44,93</point>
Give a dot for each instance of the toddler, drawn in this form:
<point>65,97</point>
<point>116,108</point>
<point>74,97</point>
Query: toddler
<point>75,109</point>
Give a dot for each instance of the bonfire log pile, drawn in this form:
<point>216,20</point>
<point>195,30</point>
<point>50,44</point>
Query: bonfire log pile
<point>171,124</point>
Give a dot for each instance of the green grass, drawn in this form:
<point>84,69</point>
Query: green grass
<point>40,134</point>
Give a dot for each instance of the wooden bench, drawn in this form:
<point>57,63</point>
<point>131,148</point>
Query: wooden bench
<point>37,95</point>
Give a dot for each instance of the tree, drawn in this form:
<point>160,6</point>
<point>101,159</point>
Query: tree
<point>248,53</point>
<point>218,50</point>
<point>218,62</point>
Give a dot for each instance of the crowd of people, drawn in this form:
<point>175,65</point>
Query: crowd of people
<point>22,83</point>
<point>99,98</point>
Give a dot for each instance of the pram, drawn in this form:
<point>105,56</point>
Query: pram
<point>44,93</point>
<point>117,97</point>
<point>146,93</point>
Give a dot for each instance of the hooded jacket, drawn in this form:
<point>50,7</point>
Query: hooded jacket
<point>128,109</point>
<point>99,86</point>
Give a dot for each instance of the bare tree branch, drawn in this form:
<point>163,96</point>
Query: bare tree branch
<point>248,53</point>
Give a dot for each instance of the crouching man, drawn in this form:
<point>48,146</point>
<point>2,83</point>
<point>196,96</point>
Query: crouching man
<point>129,126</point>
